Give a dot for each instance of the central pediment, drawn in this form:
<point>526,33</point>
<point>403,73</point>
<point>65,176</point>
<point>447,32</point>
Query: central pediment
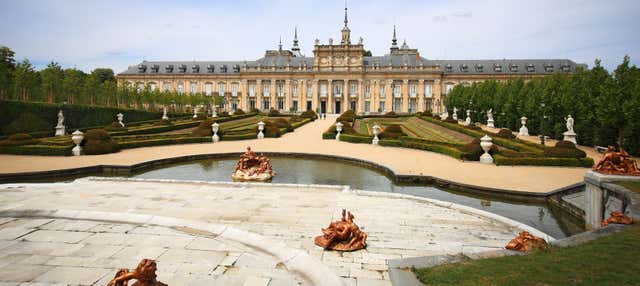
<point>338,57</point>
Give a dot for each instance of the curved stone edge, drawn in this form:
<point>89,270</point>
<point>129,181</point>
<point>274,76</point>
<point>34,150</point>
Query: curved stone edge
<point>295,260</point>
<point>126,169</point>
<point>462,208</point>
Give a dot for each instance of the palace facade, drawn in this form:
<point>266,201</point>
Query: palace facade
<point>338,77</point>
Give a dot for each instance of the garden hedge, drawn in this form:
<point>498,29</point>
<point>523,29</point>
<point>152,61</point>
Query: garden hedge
<point>543,161</point>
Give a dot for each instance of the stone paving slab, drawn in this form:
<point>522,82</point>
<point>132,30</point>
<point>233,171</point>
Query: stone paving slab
<point>194,255</point>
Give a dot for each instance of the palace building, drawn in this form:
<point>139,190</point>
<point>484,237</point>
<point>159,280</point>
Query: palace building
<point>338,77</point>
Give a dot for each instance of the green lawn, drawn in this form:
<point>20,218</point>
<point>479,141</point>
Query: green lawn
<point>634,186</point>
<point>610,260</point>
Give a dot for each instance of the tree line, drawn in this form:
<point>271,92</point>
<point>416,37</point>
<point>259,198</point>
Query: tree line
<point>53,84</point>
<point>605,106</point>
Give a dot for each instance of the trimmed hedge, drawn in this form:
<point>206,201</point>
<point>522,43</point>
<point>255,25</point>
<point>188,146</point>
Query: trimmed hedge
<point>75,116</point>
<point>19,139</point>
<point>309,114</point>
<point>129,144</point>
<point>505,133</point>
<point>27,122</point>
<point>37,150</point>
<point>355,138</point>
<point>98,141</point>
<point>547,161</point>
<point>441,149</point>
<point>273,113</point>
<point>392,131</point>
<point>473,151</point>
<point>347,116</point>
<point>115,127</point>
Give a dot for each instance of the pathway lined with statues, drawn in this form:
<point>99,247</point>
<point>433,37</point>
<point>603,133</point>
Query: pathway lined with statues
<point>242,233</point>
<point>307,139</point>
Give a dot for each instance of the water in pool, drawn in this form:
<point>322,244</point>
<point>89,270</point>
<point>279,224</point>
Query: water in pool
<point>315,171</point>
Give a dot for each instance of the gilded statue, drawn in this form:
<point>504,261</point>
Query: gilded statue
<point>252,167</point>
<point>617,163</point>
<point>525,242</point>
<point>618,218</point>
<point>342,235</point>
<point>145,275</point>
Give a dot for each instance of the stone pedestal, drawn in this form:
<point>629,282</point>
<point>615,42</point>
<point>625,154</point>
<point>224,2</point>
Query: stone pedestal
<point>60,130</point>
<point>570,136</point>
<point>486,143</point>
<point>490,123</point>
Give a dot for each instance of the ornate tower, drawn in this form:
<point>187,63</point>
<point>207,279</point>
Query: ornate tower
<point>346,33</point>
<point>296,48</point>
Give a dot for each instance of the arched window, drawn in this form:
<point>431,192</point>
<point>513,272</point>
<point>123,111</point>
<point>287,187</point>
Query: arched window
<point>208,88</point>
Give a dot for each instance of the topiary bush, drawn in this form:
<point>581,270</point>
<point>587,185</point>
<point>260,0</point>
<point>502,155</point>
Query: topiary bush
<point>238,112</point>
<point>115,127</point>
<point>309,114</point>
<point>474,127</point>
<point>27,122</point>
<point>255,111</point>
<point>270,129</point>
<point>273,112</point>
<point>564,149</point>
<point>283,123</point>
<point>393,131</point>
<point>391,113</point>
<point>19,139</point>
<point>347,116</point>
<point>223,114</point>
<point>204,128</point>
<point>565,144</point>
<point>505,133</point>
<point>163,122</point>
<point>98,141</point>
<point>472,151</point>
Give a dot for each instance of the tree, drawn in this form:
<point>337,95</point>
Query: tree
<point>72,84</point>
<point>104,74</point>
<point>7,67</point>
<point>25,80</point>
<point>366,53</point>
<point>52,81</point>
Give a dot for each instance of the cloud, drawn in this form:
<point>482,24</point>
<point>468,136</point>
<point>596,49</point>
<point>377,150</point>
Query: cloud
<point>116,34</point>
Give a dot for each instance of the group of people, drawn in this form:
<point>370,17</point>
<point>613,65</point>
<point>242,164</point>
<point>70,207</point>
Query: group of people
<point>342,235</point>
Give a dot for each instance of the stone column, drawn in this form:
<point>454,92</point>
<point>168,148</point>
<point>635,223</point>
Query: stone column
<point>388,106</point>
<point>273,96</point>
<point>330,102</point>
<point>287,94</point>
<point>360,98</point>
<point>259,94</point>
<point>405,95</point>
<point>346,99</point>
<point>244,95</point>
<point>315,105</point>
<point>437,96</point>
<point>421,96</point>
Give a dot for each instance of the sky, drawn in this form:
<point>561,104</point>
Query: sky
<point>88,34</point>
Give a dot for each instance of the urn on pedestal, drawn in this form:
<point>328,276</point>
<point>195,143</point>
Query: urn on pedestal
<point>467,120</point>
<point>164,113</point>
<point>338,129</point>
<point>260,128</point>
<point>524,131</point>
<point>376,132</point>
<point>215,127</point>
<point>77,138</point>
<point>485,144</point>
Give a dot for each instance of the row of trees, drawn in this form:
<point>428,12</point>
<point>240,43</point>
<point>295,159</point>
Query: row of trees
<point>605,106</point>
<point>53,84</point>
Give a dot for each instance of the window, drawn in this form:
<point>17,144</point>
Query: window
<point>531,68</point>
<point>397,90</point>
<point>397,104</point>
<point>266,89</point>
<point>309,89</point>
<point>367,106</point>
<point>548,68</point>
<point>252,104</point>
<point>221,88</point>
<point>280,88</point>
<point>353,89</point>
<point>208,88</point>
<point>448,87</point>
<point>180,88</point>
<point>194,88</point>
<point>566,68</point>
<point>497,68</point>
<point>234,89</point>
<point>367,91</point>
<point>294,106</point>
<point>381,108</point>
<point>337,89</point>
<point>513,68</point>
<point>413,105</point>
<point>152,86</point>
<point>280,104</point>
<point>464,68</point>
<point>448,68</point>
<point>265,104</point>
<point>427,104</point>
<point>479,68</point>
<point>166,86</point>
<point>139,87</point>
<point>413,90</point>
<point>428,90</point>
<point>252,91</point>
<point>382,91</point>
<point>294,89</point>
<point>323,90</point>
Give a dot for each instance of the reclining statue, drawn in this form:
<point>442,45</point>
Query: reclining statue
<point>526,242</point>
<point>342,235</point>
<point>145,275</point>
<point>617,163</point>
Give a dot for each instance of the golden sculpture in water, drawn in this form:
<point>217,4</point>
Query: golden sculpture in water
<point>618,218</point>
<point>252,167</point>
<point>342,235</point>
<point>617,163</point>
<point>525,242</point>
<point>145,275</point>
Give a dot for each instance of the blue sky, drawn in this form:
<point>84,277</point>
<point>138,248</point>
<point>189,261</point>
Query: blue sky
<point>90,34</point>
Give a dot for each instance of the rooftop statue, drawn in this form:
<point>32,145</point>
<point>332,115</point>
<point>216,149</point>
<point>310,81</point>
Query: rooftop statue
<point>252,167</point>
<point>617,163</point>
<point>525,242</point>
<point>145,275</point>
<point>342,235</point>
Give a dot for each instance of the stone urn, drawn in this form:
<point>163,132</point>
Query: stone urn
<point>524,131</point>
<point>120,117</point>
<point>164,113</point>
<point>260,128</point>
<point>338,130</point>
<point>467,121</point>
<point>485,144</point>
<point>215,127</point>
<point>376,132</point>
<point>77,138</point>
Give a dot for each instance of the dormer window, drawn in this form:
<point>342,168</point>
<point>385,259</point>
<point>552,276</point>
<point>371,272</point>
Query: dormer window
<point>548,68</point>
<point>479,68</point>
<point>168,68</point>
<point>497,68</point>
<point>531,68</point>
<point>223,68</point>
<point>195,69</point>
<point>142,68</point>
<point>211,68</point>
<point>155,68</point>
<point>448,68</point>
<point>464,68</point>
<point>182,68</point>
<point>513,68</point>
<point>236,68</point>
<point>566,68</point>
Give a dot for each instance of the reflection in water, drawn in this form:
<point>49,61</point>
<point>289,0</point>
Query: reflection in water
<point>313,171</point>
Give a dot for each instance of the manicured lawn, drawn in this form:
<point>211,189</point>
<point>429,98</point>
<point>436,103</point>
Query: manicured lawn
<point>610,260</point>
<point>634,186</point>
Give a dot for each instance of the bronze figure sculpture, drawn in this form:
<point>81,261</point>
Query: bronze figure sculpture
<point>145,275</point>
<point>252,167</point>
<point>342,235</point>
<point>618,218</point>
<point>617,163</point>
<point>525,242</point>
